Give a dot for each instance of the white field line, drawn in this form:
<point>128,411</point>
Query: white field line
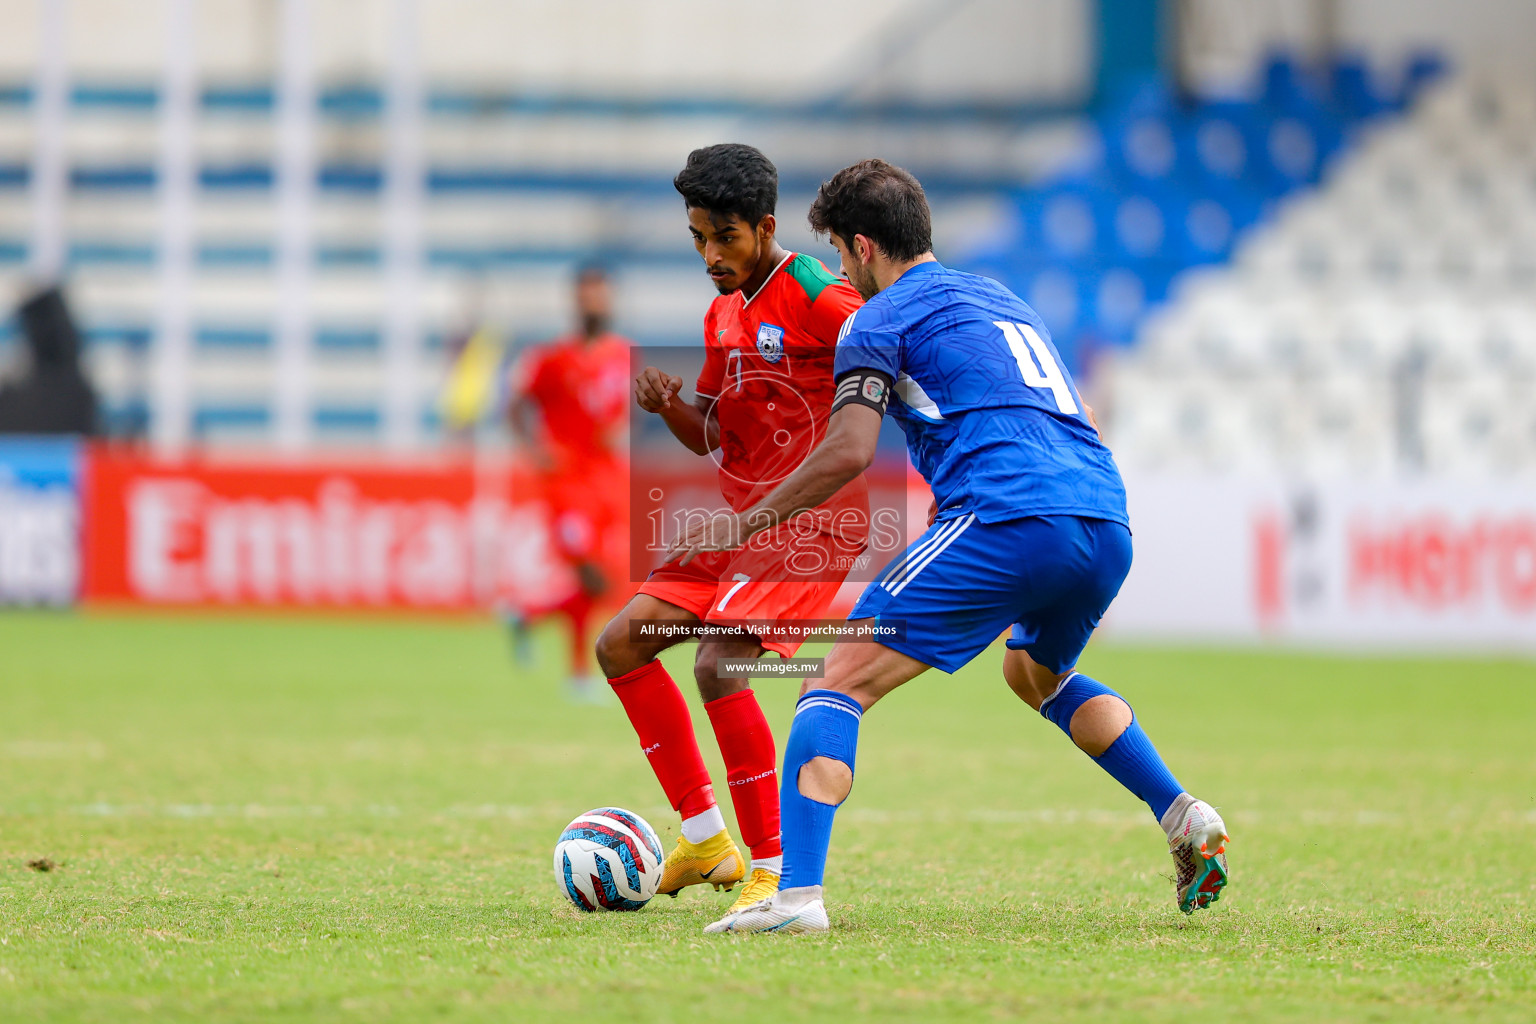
<point>261,811</point>
<point>664,816</point>
<point>52,750</point>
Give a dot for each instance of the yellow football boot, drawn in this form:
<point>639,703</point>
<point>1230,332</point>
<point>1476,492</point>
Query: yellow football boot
<point>716,861</point>
<point>760,886</point>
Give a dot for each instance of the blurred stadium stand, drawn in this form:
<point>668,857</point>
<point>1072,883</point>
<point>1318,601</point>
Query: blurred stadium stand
<point>1170,183</point>
<point>1382,323</point>
<point>464,155</point>
<point>540,145</point>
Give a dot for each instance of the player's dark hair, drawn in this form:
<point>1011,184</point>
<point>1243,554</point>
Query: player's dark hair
<point>592,270</point>
<point>880,201</point>
<point>729,179</point>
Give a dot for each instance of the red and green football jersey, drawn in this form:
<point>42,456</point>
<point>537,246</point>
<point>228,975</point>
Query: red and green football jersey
<point>768,370</point>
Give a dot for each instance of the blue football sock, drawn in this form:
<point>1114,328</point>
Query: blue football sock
<point>1132,759</point>
<point>826,725</point>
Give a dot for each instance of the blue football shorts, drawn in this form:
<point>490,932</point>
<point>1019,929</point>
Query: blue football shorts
<point>964,582</point>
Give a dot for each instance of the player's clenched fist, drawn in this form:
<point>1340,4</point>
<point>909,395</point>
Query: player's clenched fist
<point>654,390</point>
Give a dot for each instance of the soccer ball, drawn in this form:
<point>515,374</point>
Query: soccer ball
<point>608,859</point>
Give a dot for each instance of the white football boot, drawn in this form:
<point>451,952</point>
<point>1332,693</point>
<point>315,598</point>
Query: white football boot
<point>788,912</point>
<point>1197,838</point>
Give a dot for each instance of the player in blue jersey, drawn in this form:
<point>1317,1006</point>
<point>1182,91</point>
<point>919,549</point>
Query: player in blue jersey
<point>1030,533</point>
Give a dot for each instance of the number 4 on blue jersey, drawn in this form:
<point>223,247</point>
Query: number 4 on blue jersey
<point>1048,374</point>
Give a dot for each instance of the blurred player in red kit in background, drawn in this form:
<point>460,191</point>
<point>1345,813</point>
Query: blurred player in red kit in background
<point>569,410</point>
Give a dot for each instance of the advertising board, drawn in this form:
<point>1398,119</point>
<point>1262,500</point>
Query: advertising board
<point>40,517</point>
<point>438,535</point>
<point>1423,564</point>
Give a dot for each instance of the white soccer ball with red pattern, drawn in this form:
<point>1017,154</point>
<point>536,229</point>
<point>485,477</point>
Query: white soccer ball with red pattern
<point>608,859</point>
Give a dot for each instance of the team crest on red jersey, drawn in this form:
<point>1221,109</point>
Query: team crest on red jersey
<point>770,342</point>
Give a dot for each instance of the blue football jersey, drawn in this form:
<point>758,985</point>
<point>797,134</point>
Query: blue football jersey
<point>992,419</point>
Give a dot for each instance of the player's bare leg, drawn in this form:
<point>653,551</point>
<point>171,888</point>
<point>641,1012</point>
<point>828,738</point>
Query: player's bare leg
<point>706,674</point>
<point>618,651</point>
<point>818,776</point>
<point>866,672</point>
<point>1095,725</point>
<point>1103,726</point>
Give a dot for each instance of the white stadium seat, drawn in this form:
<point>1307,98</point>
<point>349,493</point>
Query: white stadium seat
<point>1386,321</point>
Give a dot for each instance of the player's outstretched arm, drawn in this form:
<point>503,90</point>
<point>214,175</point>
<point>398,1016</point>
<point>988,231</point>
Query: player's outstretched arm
<point>846,451</point>
<point>657,392</point>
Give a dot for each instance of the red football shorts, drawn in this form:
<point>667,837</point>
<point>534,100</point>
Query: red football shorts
<point>790,576</point>
<point>585,505</point>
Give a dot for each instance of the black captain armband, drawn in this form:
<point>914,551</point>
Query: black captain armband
<point>871,388</point>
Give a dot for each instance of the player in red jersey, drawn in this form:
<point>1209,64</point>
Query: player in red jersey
<point>760,405</point>
<point>570,409</point>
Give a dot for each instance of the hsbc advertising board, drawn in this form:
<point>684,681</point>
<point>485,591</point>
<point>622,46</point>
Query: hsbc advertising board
<point>1389,565</point>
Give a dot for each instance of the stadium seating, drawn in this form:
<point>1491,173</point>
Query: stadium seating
<point>1380,323</point>
<point>1142,202</point>
<point>520,187</point>
<point>1171,183</point>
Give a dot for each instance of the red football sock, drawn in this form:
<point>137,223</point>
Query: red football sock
<point>578,609</point>
<point>660,716</point>
<point>746,743</point>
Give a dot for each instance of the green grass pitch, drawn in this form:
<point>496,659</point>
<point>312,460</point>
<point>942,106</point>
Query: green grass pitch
<point>332,819</point>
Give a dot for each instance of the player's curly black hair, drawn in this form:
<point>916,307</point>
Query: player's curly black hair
<point>880,201</point>
<point>729,179</point>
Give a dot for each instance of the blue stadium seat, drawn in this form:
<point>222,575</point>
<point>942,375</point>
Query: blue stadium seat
<point>1171,185</point>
